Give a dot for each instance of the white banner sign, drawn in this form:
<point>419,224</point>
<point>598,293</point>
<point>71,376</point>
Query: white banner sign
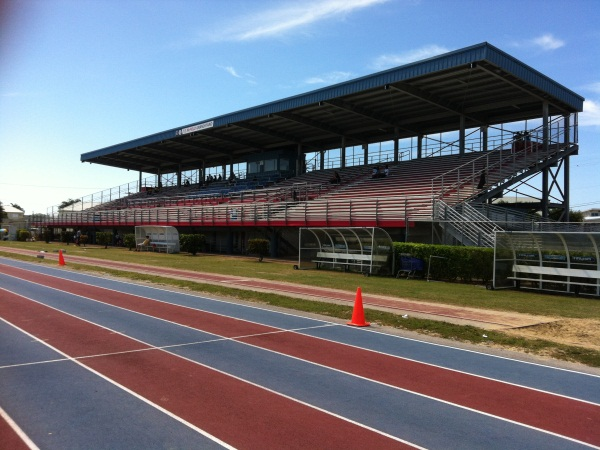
<point>193,128</point>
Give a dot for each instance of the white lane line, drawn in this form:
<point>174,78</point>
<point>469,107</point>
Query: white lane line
<point>17,429</point>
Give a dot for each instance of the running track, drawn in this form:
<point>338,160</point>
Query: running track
<point>87,362</point>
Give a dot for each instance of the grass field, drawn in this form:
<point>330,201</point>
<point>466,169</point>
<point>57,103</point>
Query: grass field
<point>475,296</point>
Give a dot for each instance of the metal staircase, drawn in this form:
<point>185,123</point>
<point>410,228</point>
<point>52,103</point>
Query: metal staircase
<point>465,224</point>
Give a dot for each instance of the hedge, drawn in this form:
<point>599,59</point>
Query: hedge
<point>450,262</point>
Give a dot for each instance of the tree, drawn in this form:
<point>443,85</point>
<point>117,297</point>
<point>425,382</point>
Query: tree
<point>14,205</point>
<point>69,202</point>
<point>574,216</point>
<point>258,246</point>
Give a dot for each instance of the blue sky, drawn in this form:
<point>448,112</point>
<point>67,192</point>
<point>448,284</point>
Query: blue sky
<point>79,75</point>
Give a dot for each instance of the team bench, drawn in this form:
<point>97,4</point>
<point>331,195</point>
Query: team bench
<point>161,247</point>
<point>345,260</point>
<point>524,272</point>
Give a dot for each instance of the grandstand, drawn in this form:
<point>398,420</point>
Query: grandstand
<point>459,132</point>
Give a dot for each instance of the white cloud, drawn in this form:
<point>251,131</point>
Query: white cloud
<point>548,42</point>
<point>230,70</point>
<point>590,115</point>
<point>288,17</point>
<point>329,78</point>
<point>418,54</point>
<point>545,42</point>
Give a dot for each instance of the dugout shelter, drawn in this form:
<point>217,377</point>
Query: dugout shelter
<point>565,262</point>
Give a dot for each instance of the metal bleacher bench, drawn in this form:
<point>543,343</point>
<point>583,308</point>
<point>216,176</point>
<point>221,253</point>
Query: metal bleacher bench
<point>165,247</point>
<point>524,272</point>
<point>350,259</point>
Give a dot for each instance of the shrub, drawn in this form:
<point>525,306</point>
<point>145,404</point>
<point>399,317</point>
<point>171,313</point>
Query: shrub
<point>192,243</point>
<point>104,238</point>
<point>23,235</point>
<point>449,262</point>
<point>129,241</point>
<point>258,246</point>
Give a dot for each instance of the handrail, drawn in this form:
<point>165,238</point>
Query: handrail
<point>502,167</point>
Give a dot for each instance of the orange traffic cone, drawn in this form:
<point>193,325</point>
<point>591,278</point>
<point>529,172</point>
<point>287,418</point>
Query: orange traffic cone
<point>358,314</point>
<point>61,258</point>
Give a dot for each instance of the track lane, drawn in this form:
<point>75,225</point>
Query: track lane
<point>64,405</point>
<point>540,376</point>
<point>241,414</point>
<point>553,413</point>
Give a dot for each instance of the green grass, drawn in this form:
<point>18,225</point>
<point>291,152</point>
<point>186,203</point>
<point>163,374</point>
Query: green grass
<point>447,293</point>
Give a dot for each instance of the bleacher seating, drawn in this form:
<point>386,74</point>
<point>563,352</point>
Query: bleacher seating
<point>310,199</point>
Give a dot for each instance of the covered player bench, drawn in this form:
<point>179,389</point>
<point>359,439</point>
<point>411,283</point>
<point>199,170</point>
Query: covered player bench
<point>565,262</point>
<point>365,250</point>
<point>162,238</point>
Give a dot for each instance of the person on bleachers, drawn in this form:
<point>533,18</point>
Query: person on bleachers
<point>482,179</point>
<point>386,171</point>
<point>377,172</point>
<point>335,179</point>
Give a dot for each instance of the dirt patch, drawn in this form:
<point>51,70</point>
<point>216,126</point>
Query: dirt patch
<point>579,332</point>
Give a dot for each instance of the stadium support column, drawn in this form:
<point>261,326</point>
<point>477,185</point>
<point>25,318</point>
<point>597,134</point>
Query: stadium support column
<point>484,138</point>
<point>343,153</point>
<point>229,242</point>
<point>366,153</point>
<point>567,170</point>
<point>140,182</point>
<point>396,144</point>
<point>419,146</point>
<point>545,172</point>
<point>179,175</point>
<point>201,181</point>
<point>299,161</point>
<point>322,160</point>
<point>274,242</point>
<point>461,138</point>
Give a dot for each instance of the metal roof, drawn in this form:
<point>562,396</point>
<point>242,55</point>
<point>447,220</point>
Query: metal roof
<point>481,82</point>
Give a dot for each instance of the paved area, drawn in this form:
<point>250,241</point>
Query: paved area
<point>487,319</point>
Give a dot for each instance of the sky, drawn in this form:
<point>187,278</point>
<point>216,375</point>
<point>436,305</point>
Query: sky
<point>80,75</point>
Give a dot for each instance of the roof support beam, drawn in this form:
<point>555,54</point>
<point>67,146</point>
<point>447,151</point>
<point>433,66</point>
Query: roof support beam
<point>366,112</point>
<point>210,148</point>
<point>262,130</point>
<point>242,142</point>
<point>434,100</point>
<point>313,123</point>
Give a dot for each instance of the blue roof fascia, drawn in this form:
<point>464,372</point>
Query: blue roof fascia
<point>478,52</point>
